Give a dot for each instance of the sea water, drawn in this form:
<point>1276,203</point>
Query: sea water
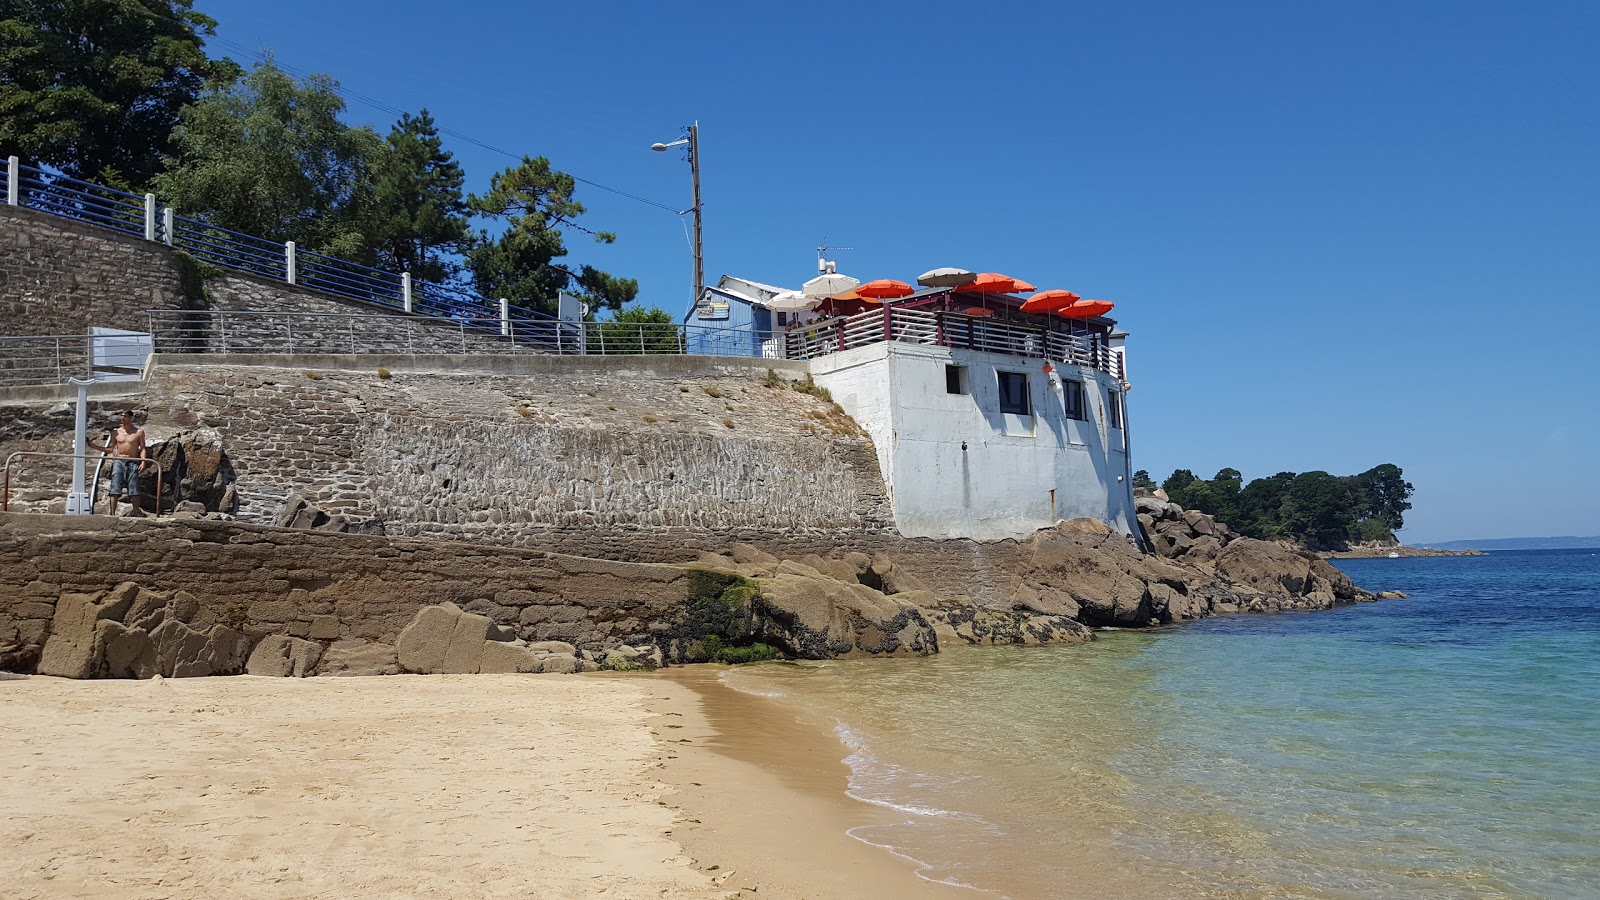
<point>1438,747</point>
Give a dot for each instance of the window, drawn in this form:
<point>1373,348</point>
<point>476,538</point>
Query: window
<point>1014,393</point>
<point>955,379</point>
<point>1072,396</point>
<point>1114,409</point>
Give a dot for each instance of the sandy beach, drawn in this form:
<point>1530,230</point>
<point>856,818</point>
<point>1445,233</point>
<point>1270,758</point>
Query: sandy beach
<point>409,786</point>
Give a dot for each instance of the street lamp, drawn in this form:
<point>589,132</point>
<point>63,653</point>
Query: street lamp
<point>691,139</point>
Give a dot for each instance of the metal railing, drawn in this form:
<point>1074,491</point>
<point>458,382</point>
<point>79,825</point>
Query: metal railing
<point>1054,342</point>
<point>146,216</point>
<point>47,359</point>
<point>228,331</point>
<point>99,462</point>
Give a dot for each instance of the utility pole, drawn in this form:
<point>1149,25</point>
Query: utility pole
<point>694,173</point>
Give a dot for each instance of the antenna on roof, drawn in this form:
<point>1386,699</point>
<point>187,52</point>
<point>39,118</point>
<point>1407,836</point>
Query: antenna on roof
<point>827,266</point>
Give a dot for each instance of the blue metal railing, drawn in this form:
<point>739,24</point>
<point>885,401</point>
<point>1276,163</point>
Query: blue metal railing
<point>71,198</point>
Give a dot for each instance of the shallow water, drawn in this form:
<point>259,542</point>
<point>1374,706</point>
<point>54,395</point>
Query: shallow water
<point>1438,747</point>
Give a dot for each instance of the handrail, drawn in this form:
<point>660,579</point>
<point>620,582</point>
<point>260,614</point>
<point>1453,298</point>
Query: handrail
<point>5,483</point>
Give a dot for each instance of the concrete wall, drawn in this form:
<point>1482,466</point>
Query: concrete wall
<point>60,277</point>
<point>1016,474</point>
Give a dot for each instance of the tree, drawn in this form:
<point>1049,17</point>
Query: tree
<point>418,214</point>
<point>638,330</point>
<point>268,156</point>
<point>1177,481</point>
<point>1142,480</point>
<point>1320,509</point>
<point>1386,495</point>
<point>94,87</point>
<point>536,203</point>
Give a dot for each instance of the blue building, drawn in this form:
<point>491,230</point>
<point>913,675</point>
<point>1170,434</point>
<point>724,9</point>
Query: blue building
<point>731,318</point>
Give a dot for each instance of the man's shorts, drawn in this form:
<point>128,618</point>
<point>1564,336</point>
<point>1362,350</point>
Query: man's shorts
<point>125,478</point>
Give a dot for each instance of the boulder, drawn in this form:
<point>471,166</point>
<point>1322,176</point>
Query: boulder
<point>281,656</point>
<point>560,664</point>
<point>500,658</point>
<point>73,649</point>
<point>811,616</point>
<point>298,512</point>
<point>354,656</point>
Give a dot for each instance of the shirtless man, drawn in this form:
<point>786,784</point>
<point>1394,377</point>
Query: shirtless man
<point>128,446</point>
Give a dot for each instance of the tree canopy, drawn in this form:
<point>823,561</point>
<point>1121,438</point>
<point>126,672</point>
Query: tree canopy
<point>268,156</point>
<point>1319,510</point>
<point>536,202</point>
<point>94,87</point>
<point>418,217</point>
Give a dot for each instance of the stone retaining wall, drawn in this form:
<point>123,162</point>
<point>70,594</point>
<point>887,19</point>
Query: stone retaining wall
<point>329,587</point>
<point>574,444</point>
<point>58,276</point>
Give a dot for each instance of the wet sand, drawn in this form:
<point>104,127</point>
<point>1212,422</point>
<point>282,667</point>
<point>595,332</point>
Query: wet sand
<point>763,800</point>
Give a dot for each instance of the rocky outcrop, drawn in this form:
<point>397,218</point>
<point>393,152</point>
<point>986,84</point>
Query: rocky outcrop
<point>447,640</point>
<point>298,512</point>
<point>282,656</point>
<point>194,468</point>
<point>1186,535</point>
<point>133,632</point>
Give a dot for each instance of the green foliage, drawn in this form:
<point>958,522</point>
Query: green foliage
<point>93,87</point>
<point>716,651</point>
<point>536,202</point>
<point>268,156</point>
<point>1141,478</point>
<point>192,275</point>
<point>1316,509</point>
<point>637,330</point>
<point>418,215</point>
<point>811,387</point>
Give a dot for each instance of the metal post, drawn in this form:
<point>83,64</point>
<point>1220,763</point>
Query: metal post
<point>169,224</point>
<point>288,262</point>
<point>405,290</point>
<point>149,217</point>
<point>505,317</point>
<point>78,501</point>
<point>13,180</point>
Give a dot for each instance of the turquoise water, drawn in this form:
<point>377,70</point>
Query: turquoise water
<point>1439,747</point>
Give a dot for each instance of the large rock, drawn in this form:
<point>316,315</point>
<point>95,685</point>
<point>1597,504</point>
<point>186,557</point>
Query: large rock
<point>354,656</point>
<point>444,639</point>
<point>813,616</point>
<point>500,658</point>
<point>193,468</point>
<point>298,512</point>
<point>282,656</point>
<point>73,650</point>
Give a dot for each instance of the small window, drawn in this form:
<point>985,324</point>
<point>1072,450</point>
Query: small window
<point>955,380</point>
<point>1072,395</point>
<point>1114,409</point>
<point>1014,393</point>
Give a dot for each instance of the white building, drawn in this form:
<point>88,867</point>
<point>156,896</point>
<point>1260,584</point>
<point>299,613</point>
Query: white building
<point>988,423</point>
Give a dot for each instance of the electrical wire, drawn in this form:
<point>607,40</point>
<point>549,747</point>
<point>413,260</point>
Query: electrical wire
<point>348,94</point>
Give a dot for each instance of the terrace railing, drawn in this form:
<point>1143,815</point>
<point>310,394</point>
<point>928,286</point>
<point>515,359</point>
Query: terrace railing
<point>227,331</point>
<point>1056,343</point>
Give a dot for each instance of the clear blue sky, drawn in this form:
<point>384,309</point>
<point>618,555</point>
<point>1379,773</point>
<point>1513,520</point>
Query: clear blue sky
<point>1340,233</point>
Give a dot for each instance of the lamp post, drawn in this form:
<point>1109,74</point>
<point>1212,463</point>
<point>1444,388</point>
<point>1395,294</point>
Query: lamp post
<point>691,140</point>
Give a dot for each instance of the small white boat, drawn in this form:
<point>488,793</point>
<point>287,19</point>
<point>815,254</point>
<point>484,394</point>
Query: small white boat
<point>1393,555</point>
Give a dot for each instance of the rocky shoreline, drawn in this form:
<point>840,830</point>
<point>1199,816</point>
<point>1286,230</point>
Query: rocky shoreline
<point>214,597</point>
<point>1391,551</point>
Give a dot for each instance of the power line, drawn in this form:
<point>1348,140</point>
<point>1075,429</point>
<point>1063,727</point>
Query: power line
<point>348,94</point>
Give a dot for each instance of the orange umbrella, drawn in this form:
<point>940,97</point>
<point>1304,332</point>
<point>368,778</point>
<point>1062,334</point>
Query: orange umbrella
<point>1087,309</point>
<point>975,311</point>
<point>885,289</point>
<point>994,283</point>
<point>1018,286</point>
<point>1049,301</point>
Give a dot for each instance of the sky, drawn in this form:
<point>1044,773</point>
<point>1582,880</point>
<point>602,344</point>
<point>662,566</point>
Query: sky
<point>1340,233</point>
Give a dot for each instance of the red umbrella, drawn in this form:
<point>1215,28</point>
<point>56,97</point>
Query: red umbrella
<point>1087,309</point>
<point>994,283</point>
<point>975,311</point>
<point>885,289</point>
<point>1018,286</point>
<point>1049,301</point>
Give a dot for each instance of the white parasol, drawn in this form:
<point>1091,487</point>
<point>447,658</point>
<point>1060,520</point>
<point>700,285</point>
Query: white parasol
<point>792,301</point>
<point>945,277</point>
<point>829,285</point>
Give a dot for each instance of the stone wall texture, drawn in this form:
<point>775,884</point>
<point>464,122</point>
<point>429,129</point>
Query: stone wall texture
<point>585,444</point>
<point>58,276</point>
<point>330,587</point>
